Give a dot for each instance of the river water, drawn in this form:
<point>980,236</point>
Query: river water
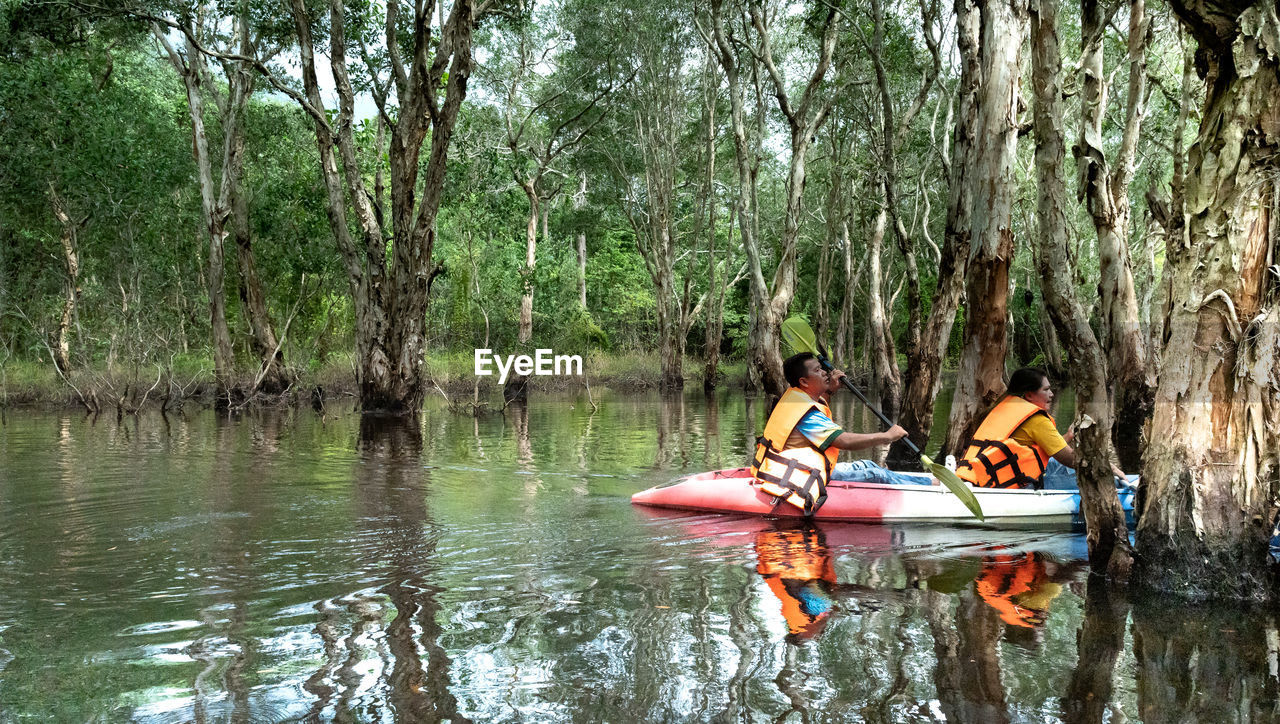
<point>284,566</point>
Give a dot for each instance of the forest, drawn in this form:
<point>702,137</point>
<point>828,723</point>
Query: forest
<point>247,194</point>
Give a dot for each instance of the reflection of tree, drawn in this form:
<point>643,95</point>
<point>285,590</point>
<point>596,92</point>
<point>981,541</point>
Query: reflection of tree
<point>672,439</point>
<point>234,580</point>
<point>968,661</point>
<point>711,448</point>
<point>391,493</point>
<point>1205,663</point>
<point>1101,641</point>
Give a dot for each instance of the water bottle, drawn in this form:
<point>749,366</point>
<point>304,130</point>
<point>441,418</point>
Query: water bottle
<point>951,463</point>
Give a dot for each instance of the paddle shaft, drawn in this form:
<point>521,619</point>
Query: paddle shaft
<point>826,364</point>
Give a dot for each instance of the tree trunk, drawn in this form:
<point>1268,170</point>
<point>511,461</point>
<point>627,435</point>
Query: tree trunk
<point>1106,192</point>
<point>580,201</point>
<point>843,347</point>
<point>980,376</point>
<point>70,256</point>
<point>805,118</point>
<point>262,337</point>
<point>821,314</point>
<point>1107,535</point>
<point>1210,473</point>
<point>213,214</point>
<point>925,376</point>
<point>525,333</point>
<point>886,382</point>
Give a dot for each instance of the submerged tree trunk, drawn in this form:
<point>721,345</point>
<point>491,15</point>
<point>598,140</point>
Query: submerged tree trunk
<point>980,376</point>
<point>1106,192</point>
<point>1108,536</point>
<point>1211,473</point>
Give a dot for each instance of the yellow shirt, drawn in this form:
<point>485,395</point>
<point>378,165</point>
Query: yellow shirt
<point>1040,431</point>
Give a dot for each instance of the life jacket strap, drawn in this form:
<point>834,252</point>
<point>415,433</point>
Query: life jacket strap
<point>805,491</point>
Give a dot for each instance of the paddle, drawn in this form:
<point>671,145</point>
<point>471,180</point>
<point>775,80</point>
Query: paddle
<point>799,336</point>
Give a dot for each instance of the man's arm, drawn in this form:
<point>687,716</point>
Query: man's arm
<point>862,441</point>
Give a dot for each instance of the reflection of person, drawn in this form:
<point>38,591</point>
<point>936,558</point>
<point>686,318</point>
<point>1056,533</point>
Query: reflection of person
<point>1018,587</point>
<point>801,442</point>
<point>796,566</point>
<point>1018,444</point>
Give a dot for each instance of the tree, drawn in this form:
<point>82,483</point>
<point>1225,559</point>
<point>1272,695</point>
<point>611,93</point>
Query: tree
<point>980,376</point>
<point>1210,474</point>
<point>803,117</point>
<point>390,295</point>
<point>1104,186</point>
<point>1108,533</point>
<point>225,209</point>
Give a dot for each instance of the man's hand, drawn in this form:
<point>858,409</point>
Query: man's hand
<point>895,433</point>
<point>833,380</point>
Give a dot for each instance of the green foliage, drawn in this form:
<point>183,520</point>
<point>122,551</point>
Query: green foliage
<point>90,109</point>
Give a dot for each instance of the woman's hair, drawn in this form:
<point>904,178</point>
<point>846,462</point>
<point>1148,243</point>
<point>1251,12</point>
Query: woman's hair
<point>1027,379</point>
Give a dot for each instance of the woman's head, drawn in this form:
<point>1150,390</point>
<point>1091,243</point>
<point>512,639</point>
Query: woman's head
<point>1033,386</point>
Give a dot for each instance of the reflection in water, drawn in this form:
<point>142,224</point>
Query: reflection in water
<point>1019,587</point>
<point>1206,663</point>
<point>1101,640</point>
<point>285,567</point>
<point>391,487</point>
<point>796,566</point>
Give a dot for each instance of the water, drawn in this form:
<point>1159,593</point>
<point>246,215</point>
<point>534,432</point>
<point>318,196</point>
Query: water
<point>288,567</point>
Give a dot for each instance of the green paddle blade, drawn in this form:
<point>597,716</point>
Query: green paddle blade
<point>955,485</point>
<point>798,335</point>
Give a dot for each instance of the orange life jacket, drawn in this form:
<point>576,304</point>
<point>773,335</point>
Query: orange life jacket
<point>994,459</point>
<point>797,475</point>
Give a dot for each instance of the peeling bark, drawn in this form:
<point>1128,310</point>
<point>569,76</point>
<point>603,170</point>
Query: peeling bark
<point>925,377</point>
<point>1211,474</point>
<point>886,381</point>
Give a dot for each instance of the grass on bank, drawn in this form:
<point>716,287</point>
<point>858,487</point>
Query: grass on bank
<point>26,383</point>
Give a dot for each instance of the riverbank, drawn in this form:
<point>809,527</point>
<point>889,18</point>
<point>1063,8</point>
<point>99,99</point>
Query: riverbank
<point>125,389</point>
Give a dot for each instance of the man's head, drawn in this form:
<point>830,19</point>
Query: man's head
<point>805,372</point>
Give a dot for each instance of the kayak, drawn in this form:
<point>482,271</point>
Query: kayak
<point>732,491</point>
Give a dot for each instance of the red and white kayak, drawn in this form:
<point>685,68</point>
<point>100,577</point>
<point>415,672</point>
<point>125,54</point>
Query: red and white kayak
<point>731,491</point>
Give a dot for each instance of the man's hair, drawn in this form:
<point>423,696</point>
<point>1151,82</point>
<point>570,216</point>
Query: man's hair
<point>793,367</point>
<point>1027,379</point>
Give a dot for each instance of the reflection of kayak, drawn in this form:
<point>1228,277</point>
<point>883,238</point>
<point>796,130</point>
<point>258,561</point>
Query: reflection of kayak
<point>731,491</point>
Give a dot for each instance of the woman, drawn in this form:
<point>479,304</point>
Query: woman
<point>1018,444</point>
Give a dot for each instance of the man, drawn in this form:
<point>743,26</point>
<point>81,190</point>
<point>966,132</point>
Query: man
<point>801,442</point>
